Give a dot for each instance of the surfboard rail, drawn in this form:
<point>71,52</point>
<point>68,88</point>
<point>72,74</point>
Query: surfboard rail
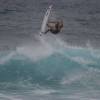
<point>45,20</point>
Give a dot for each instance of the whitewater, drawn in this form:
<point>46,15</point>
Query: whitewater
<point>50,70</point>
<point>65,66</point>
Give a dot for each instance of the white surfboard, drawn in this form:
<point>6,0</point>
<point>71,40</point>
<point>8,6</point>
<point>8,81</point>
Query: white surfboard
<point>45,20</point>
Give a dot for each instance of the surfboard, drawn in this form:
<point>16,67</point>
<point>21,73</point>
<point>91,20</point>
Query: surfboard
<point>45,20</point>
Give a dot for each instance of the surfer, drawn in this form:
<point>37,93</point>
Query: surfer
<point>54,26</point>
<point>50,26</point>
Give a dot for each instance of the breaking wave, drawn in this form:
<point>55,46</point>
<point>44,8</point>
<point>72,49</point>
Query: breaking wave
<point>50,64</point>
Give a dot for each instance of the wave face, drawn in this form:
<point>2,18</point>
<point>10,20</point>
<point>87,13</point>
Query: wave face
<point>76,67</point>
<point>50,70</point>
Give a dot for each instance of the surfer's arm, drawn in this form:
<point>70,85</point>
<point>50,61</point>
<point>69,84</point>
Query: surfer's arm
<point>47,31</point>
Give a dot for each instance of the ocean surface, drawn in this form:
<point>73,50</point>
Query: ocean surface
<point>65,66</point>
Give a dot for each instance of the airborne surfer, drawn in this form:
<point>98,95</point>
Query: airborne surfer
<point>50,26</point>
<point>54,26</point>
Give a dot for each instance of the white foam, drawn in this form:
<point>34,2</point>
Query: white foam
<point>35,52</point>
<point>32,51</point>
<point>72,78</point>
<point>94,52</point>
<point>48,44</point>
<point>43,91</point>
<point>9,97</point>
<point>82,60</point>
<point>6,58</point>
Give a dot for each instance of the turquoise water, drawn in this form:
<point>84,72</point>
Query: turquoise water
<point>61,67</point>
<point>73,73</point>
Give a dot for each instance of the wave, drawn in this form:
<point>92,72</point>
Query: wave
<point>49,64</point>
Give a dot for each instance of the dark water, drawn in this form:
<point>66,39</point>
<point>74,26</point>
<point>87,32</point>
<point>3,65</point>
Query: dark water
<point>61,67</point>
